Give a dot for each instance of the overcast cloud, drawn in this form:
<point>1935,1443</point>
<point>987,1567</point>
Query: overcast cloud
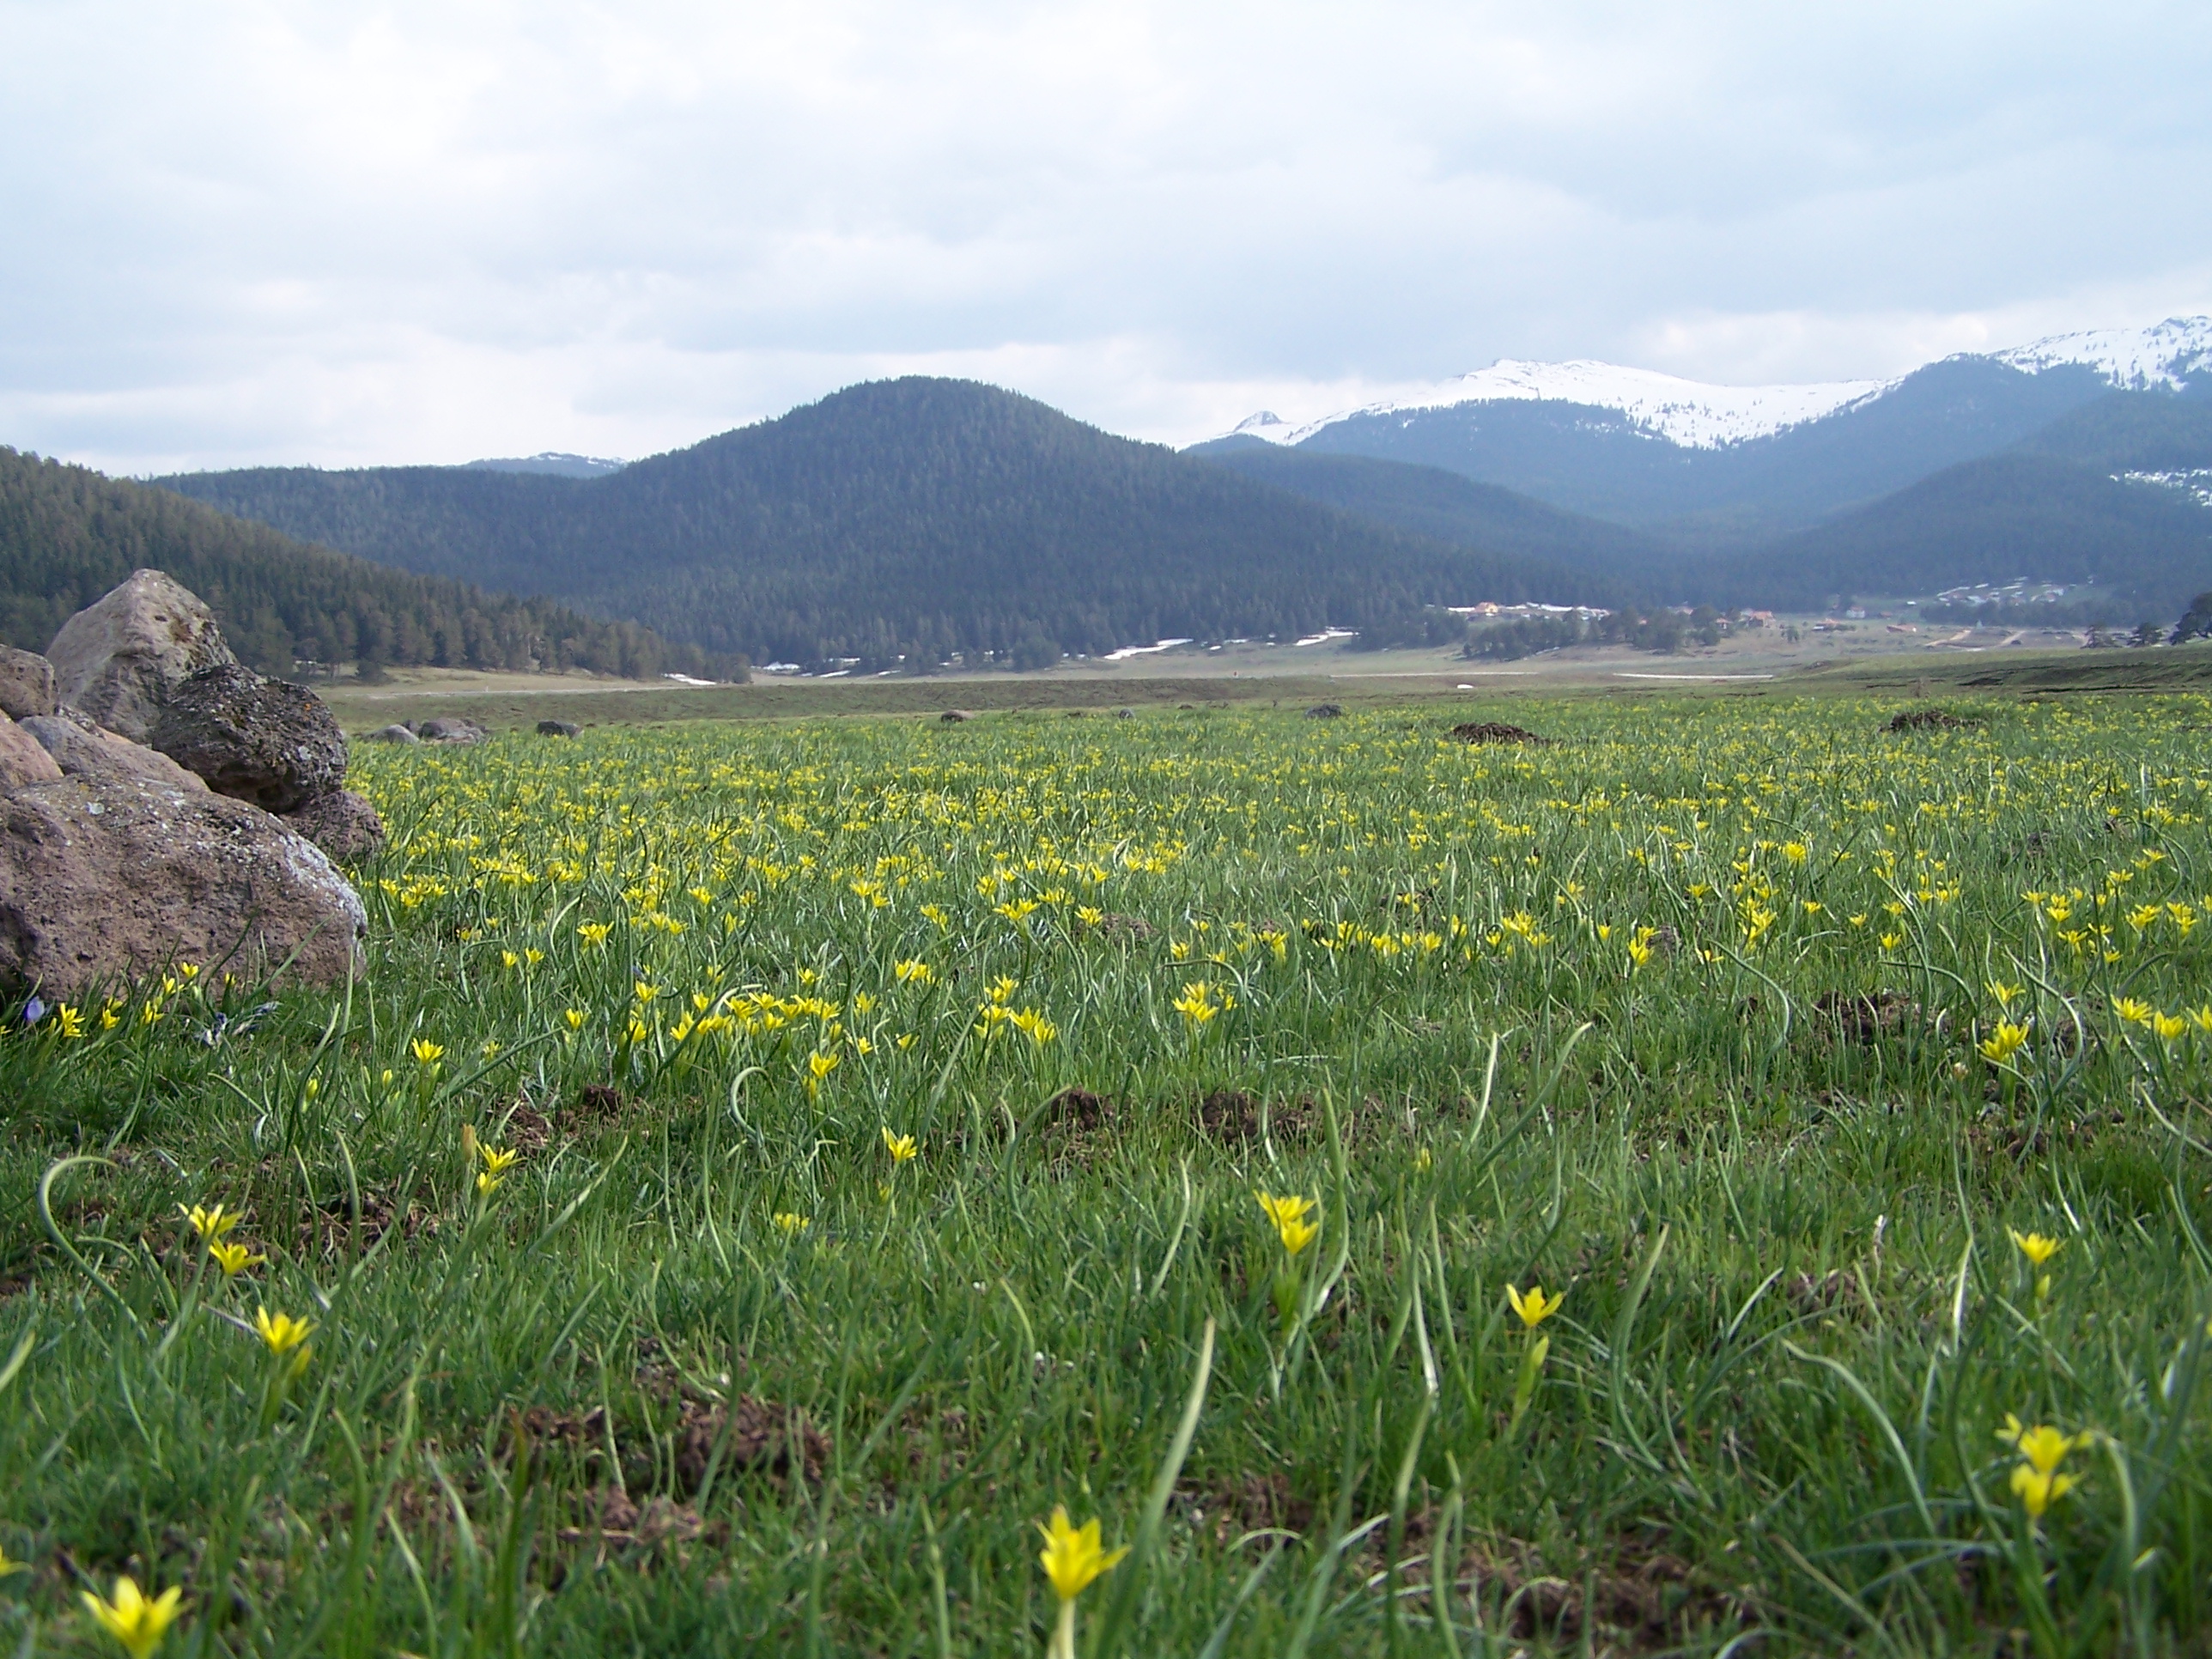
<point>258,231</point>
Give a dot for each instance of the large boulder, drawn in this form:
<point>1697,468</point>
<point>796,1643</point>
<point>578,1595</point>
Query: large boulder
<point>26,685</point>
<point>451,728</point>
<point>343,823</point>
<point>22,759</point>
<point>559,729</point>
<point>267,741</point>
<point>116,660</point>
<point>106,877</point>
<point>81,749</point>
<point>392,734</point>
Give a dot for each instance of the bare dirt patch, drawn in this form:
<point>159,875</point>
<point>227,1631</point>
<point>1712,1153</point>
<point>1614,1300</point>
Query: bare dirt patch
<point>1497,731</point>
<point>1866,1019</point>
<point>1232,1117</point>
<point>1642,1600</point>
<point>1926,719</point>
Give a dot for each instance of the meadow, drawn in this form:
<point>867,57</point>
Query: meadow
<point>1732,1178</point>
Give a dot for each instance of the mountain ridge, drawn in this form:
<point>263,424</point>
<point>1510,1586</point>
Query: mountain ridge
<point>902,521</point>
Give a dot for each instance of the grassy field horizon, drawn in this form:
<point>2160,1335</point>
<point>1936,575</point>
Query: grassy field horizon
<point>1707,1174</point>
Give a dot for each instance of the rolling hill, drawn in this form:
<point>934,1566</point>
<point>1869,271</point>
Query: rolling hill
<point>1607,464</point>
<point>1428,500</point>
<point>68,534</point>
<point>2109,494</point>
<point>2145,549</point>
<point>1706,465</point>
<point>912,518</point>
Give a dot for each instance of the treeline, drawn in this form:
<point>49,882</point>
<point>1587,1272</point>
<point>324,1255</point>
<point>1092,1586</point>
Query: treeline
<point>1659,630</point>
<point>904,523</point>
<point>68,534</point>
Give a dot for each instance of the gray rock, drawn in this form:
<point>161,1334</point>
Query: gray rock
<point>392,734</point>
<point>954,716</point>
<point>1125,713</point>
<point>22,758</point>
<point>116,660</point>
<point>1323,711</point>
<point>559,729</point>
<point>451,729</point>
<point>106,878</point>
<point>251,737</point>
<point>26,685</point>
<point>343,823</point>
<point>83,750</point>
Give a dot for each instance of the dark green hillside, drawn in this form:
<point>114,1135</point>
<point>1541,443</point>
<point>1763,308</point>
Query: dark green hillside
<point>68,534</point>
<point>914,518</point>
<point>1431,502</point>
<point>2132,432</point>
<point>1992,520</point>
<point>1596,461</point>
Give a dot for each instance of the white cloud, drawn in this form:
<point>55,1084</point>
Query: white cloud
<point>261,232</point>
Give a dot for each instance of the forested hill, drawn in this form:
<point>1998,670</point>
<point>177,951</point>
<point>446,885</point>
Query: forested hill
<point>914,517</point>
<point>68,534</point>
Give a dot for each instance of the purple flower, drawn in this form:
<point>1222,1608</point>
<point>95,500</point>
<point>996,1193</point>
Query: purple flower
<point>34,1012</point>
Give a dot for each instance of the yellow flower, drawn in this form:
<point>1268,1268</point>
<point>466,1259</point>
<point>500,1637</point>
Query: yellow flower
<point>425,1052</point>
<point>72,1020</point>
<point>1196,1004</point>
<point>594,932</point>
<point>1072,1556</point>
<point>1289,1214</point>
<point>2168,1027</point>
<point>234,1259</point>
<point>2036,1248</point>
<point>791,1224</point>
<point>282,1333</point>
<point>209,1224</point>
<point>2043,1446</point>
<point>575,1019</point>
<point>2134,1012</point>
<point>2038,1489</point>
<point>497,1160</point>
<point>1534,1308</point>
<point>133,1621</point>
<point>1033,1025</point>
<point>902,1148</point>
<point>914,972</point>
<point>2004,1042</point>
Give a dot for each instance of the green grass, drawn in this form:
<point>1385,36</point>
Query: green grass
<point>615,1405</point>
<point>774,699</point>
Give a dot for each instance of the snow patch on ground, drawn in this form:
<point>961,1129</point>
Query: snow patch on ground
<point>1129,651</point>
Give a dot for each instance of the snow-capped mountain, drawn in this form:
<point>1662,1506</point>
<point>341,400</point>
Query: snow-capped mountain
<point>1698,415</point>
<point>1689,412</point>
<point>2167,354</point>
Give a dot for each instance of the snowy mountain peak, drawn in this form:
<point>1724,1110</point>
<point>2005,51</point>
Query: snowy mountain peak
<point>2164,354</point>
<point>1701,416</point>
<point>1688,412</point>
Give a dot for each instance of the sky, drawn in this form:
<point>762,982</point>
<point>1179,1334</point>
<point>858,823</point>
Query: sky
<point>249,232</point>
